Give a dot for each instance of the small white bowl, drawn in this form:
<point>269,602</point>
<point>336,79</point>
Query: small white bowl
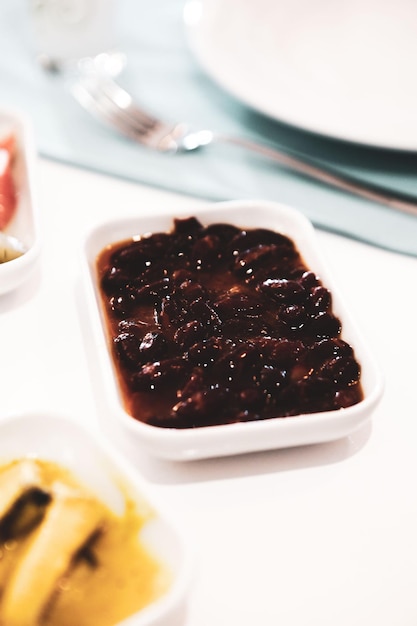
<point>224,440</point>
<point>88,456</point>
<point>24,225</point>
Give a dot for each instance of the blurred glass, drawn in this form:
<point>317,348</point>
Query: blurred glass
<point>67,29</point>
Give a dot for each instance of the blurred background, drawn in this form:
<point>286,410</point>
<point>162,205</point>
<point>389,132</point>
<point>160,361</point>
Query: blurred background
<point>325,80</point>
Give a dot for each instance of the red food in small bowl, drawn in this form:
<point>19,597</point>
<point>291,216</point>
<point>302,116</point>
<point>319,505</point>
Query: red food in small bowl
<point>7,186</point>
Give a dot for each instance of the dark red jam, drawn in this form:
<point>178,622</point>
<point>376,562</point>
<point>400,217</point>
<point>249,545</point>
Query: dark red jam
<point>214,325</point>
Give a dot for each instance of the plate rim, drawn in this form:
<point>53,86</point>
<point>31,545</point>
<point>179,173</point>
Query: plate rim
<point>202,53</point>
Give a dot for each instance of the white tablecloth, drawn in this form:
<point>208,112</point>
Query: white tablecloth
<point>320,536</point>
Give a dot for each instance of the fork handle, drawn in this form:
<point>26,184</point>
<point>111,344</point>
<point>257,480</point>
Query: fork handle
<point>399,201</point>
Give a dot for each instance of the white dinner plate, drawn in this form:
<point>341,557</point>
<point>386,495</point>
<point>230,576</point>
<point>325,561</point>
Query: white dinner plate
<point>341,69</point>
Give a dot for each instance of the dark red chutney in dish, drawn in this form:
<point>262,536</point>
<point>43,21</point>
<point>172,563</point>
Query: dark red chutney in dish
<point>216,324</point>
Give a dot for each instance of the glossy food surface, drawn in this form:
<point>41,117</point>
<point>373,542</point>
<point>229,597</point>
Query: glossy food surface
<point>217,324</point>
<point>95,567</point>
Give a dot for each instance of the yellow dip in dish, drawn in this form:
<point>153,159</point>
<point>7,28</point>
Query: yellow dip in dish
<point>65,557</point>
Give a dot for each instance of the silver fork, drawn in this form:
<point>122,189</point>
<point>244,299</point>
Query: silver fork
<point>107,101</point>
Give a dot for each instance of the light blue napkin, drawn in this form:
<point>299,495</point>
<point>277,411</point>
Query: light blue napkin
<point>163,74</point>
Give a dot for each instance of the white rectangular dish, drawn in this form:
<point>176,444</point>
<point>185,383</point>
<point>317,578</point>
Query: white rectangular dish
<point>236,438</point>
<point>24,224</point>
<point>92,461</point>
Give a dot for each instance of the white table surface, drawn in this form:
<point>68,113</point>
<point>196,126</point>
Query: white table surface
<point>323,535</point>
